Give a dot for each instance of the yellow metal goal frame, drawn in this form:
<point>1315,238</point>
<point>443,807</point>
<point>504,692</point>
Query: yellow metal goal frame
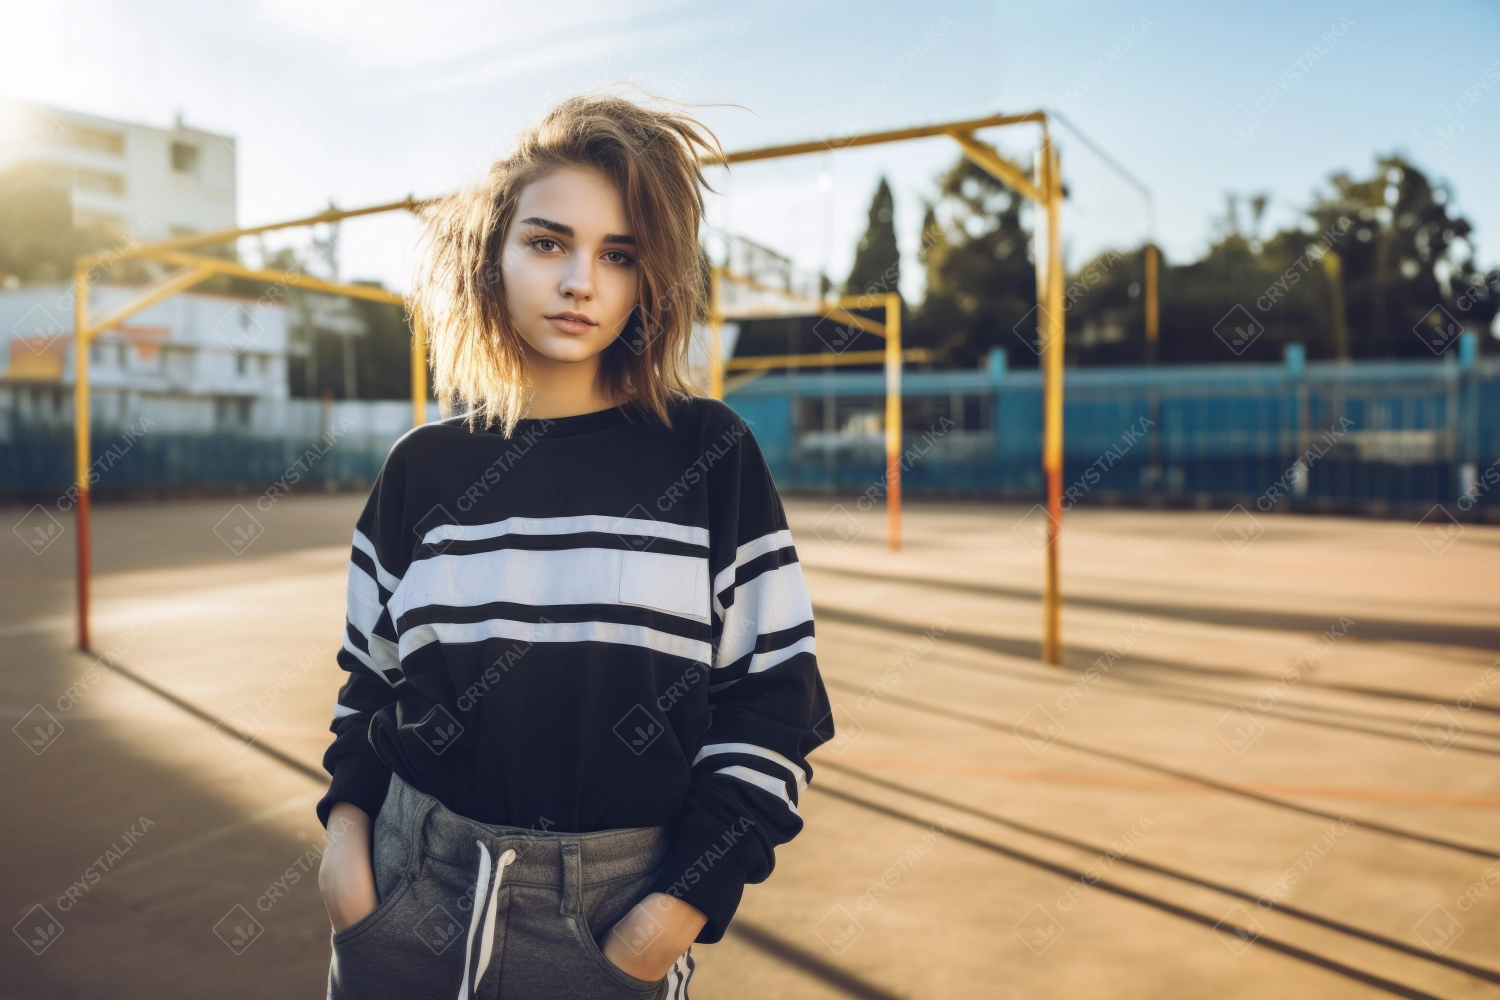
<point>1042,185</point>
<point>190,270</point>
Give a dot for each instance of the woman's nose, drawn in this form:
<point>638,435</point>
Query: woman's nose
<point>578,282</point>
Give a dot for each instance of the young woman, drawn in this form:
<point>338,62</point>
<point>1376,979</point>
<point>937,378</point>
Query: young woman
<point>582,676</point>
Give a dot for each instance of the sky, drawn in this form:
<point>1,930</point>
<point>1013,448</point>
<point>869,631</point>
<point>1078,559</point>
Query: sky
<point>367,102</point>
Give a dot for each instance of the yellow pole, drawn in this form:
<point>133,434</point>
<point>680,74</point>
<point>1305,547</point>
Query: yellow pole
<point>1152,316</point>
<point>1052,429</point>
<point>893,419</point>
<point>81,447</point>
<point>418,371</point>
<point>1333,269</point>
<point>715,340</point>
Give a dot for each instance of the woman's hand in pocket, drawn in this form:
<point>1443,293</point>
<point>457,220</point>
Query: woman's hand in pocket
<point>346,877</point>
<point>650,938</point>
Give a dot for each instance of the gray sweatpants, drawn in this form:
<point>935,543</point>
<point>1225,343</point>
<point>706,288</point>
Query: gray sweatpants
<point>472,910</point>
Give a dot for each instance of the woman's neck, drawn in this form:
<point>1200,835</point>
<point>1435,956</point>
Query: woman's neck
<point>564,388</point>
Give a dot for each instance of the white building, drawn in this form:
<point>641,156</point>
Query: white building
<point>194,361</point>
<point>152,183</point>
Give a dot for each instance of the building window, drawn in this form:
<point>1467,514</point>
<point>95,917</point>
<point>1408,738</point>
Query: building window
<point>98,220</point>
<point>231,414</point>
<point>241,364</point>
<point>185,157</point>
<point>98,182</point>
<point>94,139</point>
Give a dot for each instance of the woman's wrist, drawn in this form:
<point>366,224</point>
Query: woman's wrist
<point>650,938</point>
<point>346,822</point>
<point>346,876</point>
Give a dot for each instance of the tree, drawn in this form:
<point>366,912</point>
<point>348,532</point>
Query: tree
<point>877,260</point>
<point>38,238</point>
<point>981,281</point>
<point>1403,256</point>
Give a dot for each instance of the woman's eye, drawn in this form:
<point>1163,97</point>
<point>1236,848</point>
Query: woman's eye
<point>623,257</point>
<point>550,243</point>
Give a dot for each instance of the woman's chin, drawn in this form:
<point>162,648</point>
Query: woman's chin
<point>565,350</point>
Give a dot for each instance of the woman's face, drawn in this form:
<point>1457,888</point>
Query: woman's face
<point>569,265</point>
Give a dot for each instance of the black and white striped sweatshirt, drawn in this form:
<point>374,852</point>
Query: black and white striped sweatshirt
<point>596,623</point>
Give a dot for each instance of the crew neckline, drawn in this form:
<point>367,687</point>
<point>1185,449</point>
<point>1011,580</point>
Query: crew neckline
<point>577,423</point>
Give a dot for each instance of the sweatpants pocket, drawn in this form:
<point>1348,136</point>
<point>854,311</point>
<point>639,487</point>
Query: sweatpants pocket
<point>411,946</point>
<point>603,906</point>
<point>636,987</point>
<point>550,955</point>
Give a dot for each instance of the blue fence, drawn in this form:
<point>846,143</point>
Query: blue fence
<point>1375,437</point>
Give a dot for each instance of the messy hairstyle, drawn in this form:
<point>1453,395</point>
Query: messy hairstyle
<point>474,348</point>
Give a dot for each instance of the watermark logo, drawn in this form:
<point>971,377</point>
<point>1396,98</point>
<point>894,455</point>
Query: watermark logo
<point>1038,729</point>
<point>1239,929</point>
<point>642,933</point>
<point>438,517</point>
<point>1438,929</point>
<point>38,929</point>
<point>1238,129</point>
<point>42,131</point>
<point>637,542</point>
<point>1038,929</point>
<point>1438,129</point>
<point>1438,529</point>
<point>638,730</point>
<point>1438,729</point>
<point>1238,729</point>
<point>39,329</point>
<point>1238,529</point>
<point>239,529</point>
<point>1238,329</point>
<point>1033,329</point>
<point>239,929</point>
<point>238,329</point>
<point>839,121</point>
<point>838,929</point>
<point>1031,529</point>
<point>38,529</point>
<point>439,730</point>
<point>438,929</point>
<point>846,729</point>
<point>240,728</point>
<point>838,528</point>
<point>1438,329</point>
<point>837,335</point>
<point>38,729</point>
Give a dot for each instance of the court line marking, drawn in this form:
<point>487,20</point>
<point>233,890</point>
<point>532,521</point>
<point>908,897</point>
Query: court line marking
<point>1000,725</point>
<point>1263,940</point>
<point>209,836</point>
<point>1426,955</point>
<point>1141,782</point>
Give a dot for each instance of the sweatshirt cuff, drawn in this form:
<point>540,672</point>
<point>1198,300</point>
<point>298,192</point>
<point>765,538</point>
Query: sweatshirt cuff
<point>359,779</point>
<point>701,871</point>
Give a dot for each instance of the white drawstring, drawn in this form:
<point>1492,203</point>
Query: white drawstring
<point>486,928</point>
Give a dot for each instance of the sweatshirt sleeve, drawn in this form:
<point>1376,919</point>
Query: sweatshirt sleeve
<point>769,706</point>
<point>377,560</point>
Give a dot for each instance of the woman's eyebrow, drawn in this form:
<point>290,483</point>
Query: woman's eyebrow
<point>556,227</point>
<point>566,230</point>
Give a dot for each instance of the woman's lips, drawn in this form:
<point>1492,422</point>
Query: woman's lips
<point>574,326</point>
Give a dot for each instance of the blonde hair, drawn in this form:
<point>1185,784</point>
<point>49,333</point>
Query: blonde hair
<point>473,346</point>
